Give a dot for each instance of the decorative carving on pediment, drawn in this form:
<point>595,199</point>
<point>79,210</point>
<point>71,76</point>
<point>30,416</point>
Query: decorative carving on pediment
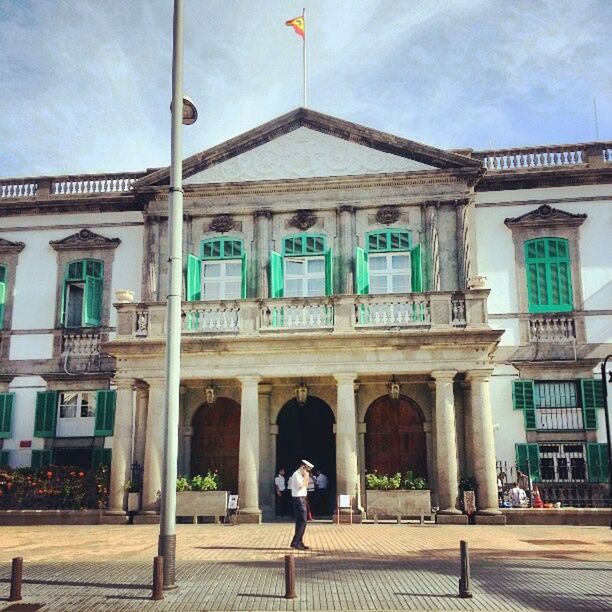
<point>6,246</point>
<point>387,215</point>
<point>221,224</point>
<point>85,239</point>
<point>303,220</point>
<point>265,213</point>
<point>546,215</point>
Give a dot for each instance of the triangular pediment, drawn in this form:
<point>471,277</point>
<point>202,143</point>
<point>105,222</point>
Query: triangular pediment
<point>306,144</point>
<point>85,239</point>
<point>546,215</point>
<point>7,246</point>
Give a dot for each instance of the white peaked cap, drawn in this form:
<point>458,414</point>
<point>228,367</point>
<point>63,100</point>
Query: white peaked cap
<point>307,464</point>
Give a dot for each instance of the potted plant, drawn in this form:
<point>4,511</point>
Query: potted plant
<point>134,495</point>
<point>397,495</point>
<point>201,496</point>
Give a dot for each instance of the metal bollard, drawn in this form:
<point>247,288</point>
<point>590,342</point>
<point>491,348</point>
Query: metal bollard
<point>290,577</point>
<point>158,579</point>
<point>16,579</point>
<point>464,581</point>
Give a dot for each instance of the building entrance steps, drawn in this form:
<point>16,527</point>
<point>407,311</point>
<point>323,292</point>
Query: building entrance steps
<point>108,567</point>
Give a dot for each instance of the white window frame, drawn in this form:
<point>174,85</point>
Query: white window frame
<point>388,272</point>
<point>305,277</point>
<point>222,280</point>
<point>78,425</point>
<point>561,453</point>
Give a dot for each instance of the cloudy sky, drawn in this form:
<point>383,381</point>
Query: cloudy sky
<point>85,84</point>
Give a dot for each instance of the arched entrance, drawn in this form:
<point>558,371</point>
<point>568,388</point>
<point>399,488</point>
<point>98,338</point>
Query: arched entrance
<point>395,439</point>
<point>216,441</point>
<point>307,432</point>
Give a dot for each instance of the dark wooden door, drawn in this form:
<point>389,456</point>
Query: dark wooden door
<point>394,439</point>
<point>216,441</point>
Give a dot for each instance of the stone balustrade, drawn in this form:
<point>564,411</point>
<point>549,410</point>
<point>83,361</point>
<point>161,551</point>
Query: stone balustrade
<point>552,329</point>
<point>60,186</point>
<point>81,344</point>
<point>443,311</point>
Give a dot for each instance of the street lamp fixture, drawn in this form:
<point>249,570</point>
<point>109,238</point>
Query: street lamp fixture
<point>394,388</point>
<point>210,394</point>
<point>301,393</point>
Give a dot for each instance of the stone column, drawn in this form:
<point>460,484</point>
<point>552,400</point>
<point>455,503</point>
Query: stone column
<point>154,447</point>
<point>248,475</point>
<point>347,473</point>
<point>431,463</point>
<point>263,234</point>
<point>344,257</point>
<point>142,400</point>
<point>483,449</point>
<point>122,444</point>
<point>446,442</point>
<point>267,460</point>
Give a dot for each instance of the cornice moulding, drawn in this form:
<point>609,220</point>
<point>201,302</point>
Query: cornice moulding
<point>84,239</point>
<point>6,246</point>
<point>546,215</point>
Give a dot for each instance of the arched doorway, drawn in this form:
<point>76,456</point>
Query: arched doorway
<point>307,432</point>
<point>395,439</point>
<point>216,441</point>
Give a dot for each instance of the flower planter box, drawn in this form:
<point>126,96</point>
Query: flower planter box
<point>398,504</point>
<point>201,503</point>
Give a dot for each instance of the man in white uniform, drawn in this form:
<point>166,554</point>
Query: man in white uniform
<point>280,488</point>
<point>299,490</point>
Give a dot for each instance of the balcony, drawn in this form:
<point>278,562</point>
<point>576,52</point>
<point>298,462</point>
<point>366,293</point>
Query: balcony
<point>439,311</point>
<point>552,329</point>
<point>559,419</point>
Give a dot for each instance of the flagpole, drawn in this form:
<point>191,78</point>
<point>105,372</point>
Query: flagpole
<point>304,53</point>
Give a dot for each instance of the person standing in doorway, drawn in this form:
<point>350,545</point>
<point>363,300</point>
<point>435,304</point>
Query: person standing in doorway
<point>299,491</point>
<point>280,490</point>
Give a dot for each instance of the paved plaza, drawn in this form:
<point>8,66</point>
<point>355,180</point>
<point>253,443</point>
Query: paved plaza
<point>358,567</point>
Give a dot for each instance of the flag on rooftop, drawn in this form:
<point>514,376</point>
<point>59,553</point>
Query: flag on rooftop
<point>298,24</point>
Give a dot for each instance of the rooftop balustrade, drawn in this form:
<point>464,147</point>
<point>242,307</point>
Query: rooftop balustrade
<point>439,311</point>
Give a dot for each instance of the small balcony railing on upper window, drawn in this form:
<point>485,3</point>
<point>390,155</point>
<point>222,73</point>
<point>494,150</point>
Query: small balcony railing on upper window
<point>559,419</point>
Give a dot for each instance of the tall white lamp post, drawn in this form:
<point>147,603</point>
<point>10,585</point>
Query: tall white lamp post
<point>183,111</point>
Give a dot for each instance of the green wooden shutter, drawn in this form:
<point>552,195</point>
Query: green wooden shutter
<point>101,456</point>
<point>417,269</point>
<point>4,459</point>
<point>591,391</point>
<point>244,288</point>
<point>2,302</point>
<point>523,398</point>
<point>277,281</point>
<point>362,272</point>
<point>41,458</point>
<point>6,414</point>
<point>528,460</point>
<point>46,414</point>
<point>92,301</point>
<point>597,462</point>
<point>329,272</point>
<point>105,413</point>
<point>194,278</point>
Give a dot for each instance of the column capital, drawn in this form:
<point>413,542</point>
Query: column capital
<point>251,379</point>
<point>443,375</point>
<point>347,378</point>
<point>187,431</point>
<point>124,383</point>
<point>427,427</point>
<point>156,383</point>
<point>265,388</point>
<point>346,208</point>
<point>480,375</point>
<point>266,213</point>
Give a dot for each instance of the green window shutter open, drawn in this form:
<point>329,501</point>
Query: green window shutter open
<point>523,398</point>
<point>244,287</point>
<point>362,272</point>
<point>528,460</point>
<point>591,391</point>
<point>329,272</point>
<point>597,461</point>
<point>46,414</point>
<point>101,456</point>
<point>6,414</point>
<point>416,264</point>
<point>92,317</point>
<point>193,282</point>
<point>549,275</point>
<point>42,458</point>
<point>105,413</point>
<point>277,281</point>
<point>4,459</point>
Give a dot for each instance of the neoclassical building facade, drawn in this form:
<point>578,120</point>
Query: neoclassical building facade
<point>351,297</point>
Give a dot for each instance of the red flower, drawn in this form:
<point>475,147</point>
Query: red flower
<point>81,474</point>
<point>49,474</point>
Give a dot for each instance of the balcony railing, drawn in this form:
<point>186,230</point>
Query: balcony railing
<point>552,329</point>
<point>559,419</point>
<point>81,344</point>
<point>440,311</point>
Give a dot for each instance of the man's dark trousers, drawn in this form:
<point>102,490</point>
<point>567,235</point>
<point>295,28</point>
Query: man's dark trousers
<point>300,513</point>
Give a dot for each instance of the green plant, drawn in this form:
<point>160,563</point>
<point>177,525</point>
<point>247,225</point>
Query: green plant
<point>131,486</point>
<point>384,482</point>
<point>208,482</point>
<point>182,484</point>
<point>413,483</point>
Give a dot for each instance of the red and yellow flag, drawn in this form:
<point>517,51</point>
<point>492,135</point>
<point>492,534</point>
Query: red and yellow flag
<point>298,24</point>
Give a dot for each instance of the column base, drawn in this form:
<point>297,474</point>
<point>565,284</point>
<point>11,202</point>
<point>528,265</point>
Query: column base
<point>146,518</point>
<point>114,517</point>
<point>248,517</point>
<point>493,511</point>
<point>450,511</point>
<point>451,519</point>
<point>490,519</point>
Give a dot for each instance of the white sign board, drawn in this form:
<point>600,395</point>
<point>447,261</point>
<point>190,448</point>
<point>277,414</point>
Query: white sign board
<point>344,501</point>
<point>232,503</point>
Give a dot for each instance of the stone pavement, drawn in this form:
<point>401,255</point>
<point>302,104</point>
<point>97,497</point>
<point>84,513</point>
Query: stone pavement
<point>359,567</point>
